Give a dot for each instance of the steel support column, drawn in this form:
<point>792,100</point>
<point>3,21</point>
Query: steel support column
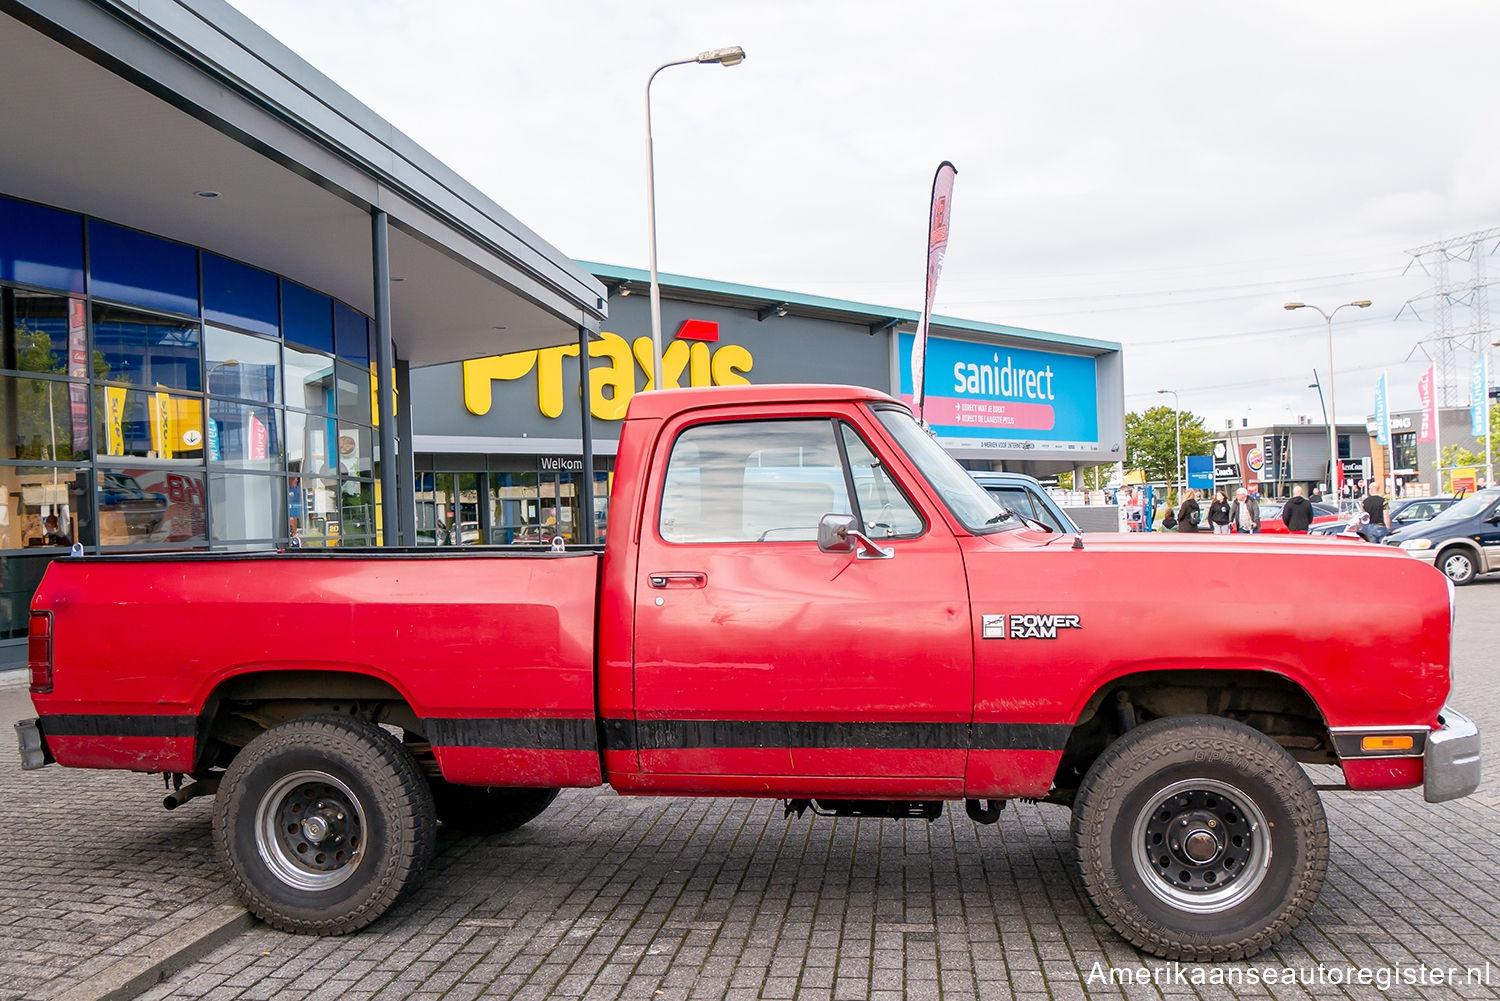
<point>385,364</point>
<point>586,486</point>
<point>406,472</point>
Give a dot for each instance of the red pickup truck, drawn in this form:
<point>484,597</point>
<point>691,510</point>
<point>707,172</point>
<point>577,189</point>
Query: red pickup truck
<point>802,597</point>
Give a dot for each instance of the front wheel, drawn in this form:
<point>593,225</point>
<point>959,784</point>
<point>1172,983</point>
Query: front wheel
<point>1200,839</point>
<point>322,823</point>
<point>1458,564</point>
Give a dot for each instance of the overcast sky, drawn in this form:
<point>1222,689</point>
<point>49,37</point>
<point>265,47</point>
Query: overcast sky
<point>1164,175</point>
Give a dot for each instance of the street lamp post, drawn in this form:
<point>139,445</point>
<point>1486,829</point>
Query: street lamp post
<point>1177,422</point>
<point>1333,443</point>
<point>724,57</point>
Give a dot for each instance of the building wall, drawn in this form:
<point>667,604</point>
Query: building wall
<point>498,439</point>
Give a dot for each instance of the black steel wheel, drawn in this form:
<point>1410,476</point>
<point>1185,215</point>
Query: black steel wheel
<point>488,809</point>
<point>323,823</point>
<point>1200,839</point>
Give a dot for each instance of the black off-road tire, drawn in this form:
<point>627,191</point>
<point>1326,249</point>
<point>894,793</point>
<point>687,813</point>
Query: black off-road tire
<point>488,809</point>
<point>1458,564</point>
<point>366,800</point>
<point>1200,768</point>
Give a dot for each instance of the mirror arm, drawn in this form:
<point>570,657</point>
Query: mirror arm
<point>869,549</point>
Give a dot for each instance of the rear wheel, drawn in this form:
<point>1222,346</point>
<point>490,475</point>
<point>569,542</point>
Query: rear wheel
<point>323,823</point>
<point>488,809</point>
<point>1458,564</point>
<point>1200,839</point>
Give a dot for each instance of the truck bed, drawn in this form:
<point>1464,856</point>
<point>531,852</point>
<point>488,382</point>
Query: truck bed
<point>493,649</point>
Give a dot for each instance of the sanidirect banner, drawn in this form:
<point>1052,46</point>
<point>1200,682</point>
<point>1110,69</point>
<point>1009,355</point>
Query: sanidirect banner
<point>937,246</point>
<point>984,396</point>
<point>1382,412</point>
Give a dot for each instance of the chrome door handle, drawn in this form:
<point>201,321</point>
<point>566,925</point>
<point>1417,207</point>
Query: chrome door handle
<point>686,578</point>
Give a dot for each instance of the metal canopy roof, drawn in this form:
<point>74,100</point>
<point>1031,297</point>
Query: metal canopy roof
<point>716,293</point>
<point>125,109</point>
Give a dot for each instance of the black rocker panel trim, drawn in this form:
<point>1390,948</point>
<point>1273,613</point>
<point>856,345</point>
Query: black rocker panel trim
<point>658,735</point>
<point>113,725</point>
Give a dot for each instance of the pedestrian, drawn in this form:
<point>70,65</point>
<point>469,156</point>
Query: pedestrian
<point>1189,515</point>
<point>1374,506</point>
<point>1244,513</point>
<point>1298,512</point>
<point>1133,510</point>
<point>1218,513</point>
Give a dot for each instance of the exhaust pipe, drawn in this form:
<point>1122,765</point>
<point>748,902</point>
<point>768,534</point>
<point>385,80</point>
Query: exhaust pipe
<point>202,787</point>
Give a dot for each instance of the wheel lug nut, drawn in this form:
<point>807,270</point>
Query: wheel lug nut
<point>1213,823</point>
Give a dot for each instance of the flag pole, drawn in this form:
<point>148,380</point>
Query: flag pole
<point>937,246</point>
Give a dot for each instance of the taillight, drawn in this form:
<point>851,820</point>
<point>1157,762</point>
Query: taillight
<point>39,652</point>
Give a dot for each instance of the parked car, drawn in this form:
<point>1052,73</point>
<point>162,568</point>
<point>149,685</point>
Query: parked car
<point>1405,512</point>
<point>1415,510</point>
<point>1463,541</point>
<point>1026,496</point>
<point>1270,516</point>
<point>142,511</point>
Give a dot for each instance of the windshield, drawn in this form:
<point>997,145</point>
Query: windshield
<point>975,509</point>
<point>1470,507</point>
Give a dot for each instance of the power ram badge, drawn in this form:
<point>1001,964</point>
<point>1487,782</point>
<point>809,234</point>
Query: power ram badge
<point>1026,626</point>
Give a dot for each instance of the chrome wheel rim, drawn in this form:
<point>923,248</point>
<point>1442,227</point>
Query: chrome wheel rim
<point>310,830</point>
<point>1201,846</point>
<point>1457,566</point>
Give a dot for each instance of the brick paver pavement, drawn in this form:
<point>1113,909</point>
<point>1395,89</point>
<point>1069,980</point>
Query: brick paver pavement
<point>605,897</point>
<point>91,867</point>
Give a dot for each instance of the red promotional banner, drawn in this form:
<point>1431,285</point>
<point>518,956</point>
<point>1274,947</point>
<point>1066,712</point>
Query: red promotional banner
<point>937,246</point>
<point>1252,466</point>
<point>1428,399</point>
<point>258,438</point>
<point>78,368</point>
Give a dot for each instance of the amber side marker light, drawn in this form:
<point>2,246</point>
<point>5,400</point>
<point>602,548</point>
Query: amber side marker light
<point>1386,744</point>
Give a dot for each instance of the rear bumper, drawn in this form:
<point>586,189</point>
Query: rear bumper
<point>1450,764</point>
<point>34,750</point>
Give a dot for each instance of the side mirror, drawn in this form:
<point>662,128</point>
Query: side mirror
<point>839,533</point>
<point>833,533</point>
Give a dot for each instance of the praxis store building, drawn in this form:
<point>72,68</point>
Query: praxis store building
<point>499,440</point>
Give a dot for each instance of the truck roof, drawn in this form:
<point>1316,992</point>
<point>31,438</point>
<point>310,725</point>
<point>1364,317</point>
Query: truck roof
<point>667,402</point>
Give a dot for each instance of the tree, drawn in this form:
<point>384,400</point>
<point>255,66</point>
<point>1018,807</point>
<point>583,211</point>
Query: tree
<point>1151,442</point>
<point>1456,455</point>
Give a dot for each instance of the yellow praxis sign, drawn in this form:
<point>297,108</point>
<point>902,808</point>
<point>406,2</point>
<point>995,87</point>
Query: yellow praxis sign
<point>612,385</point>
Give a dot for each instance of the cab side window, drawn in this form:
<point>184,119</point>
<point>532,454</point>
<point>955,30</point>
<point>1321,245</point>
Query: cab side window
<point>753,481</point>
<point>883,508</point>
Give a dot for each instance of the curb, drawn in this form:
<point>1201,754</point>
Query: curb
<point>159,960</point>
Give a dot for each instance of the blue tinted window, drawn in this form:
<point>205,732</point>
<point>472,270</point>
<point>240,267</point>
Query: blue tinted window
<point>146,350</point>
<point>240,295</point>
<point>41,246</point>
<point>352,334</point>
<point>306,317</point>
<point>143,270</point>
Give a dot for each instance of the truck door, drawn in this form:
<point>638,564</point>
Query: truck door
<point>758,655</point>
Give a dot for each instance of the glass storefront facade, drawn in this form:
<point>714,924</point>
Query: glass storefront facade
<point>506,500</point>
<point>158,396</point>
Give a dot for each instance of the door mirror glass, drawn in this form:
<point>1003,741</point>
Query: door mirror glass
<point>833,533</point>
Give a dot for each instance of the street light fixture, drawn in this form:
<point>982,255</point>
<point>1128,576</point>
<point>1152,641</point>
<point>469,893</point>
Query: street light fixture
<point>1332,416</point>
<point>731,56</point>
<point>1177,421</point>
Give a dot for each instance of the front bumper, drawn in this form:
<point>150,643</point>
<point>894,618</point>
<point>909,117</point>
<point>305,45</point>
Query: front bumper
<point>34,750</point>
<point>1450,763</point>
